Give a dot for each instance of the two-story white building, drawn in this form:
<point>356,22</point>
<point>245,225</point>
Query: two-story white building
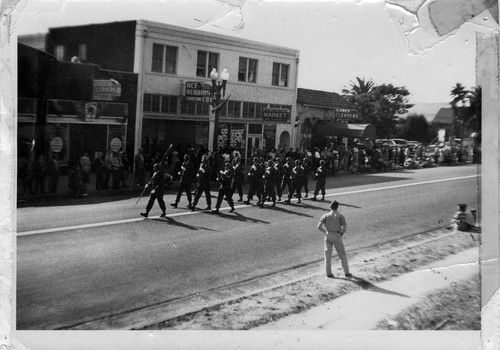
<point>174,85</point>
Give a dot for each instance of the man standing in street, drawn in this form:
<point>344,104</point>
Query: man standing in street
<point>333,225</point>
<point>186,174</point>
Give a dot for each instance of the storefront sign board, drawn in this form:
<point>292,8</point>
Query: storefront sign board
<point>276,115</point>
<point>106,90</point>
<point>198,92</point>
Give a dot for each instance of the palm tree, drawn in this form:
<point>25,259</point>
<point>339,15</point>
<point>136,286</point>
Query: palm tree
<point>361,88</point>
<point>460,99</point>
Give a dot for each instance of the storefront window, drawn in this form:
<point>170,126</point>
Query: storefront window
<point>269,137</point>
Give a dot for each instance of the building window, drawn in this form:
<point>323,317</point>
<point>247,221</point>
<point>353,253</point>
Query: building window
<point>59,52</point>
<point>164,59</point>
<point>247,70</point>
<point>280,74</point>
<point>156,103</point>
<point>249,110</point>
<point>82,52</point>
<point>234,109</point>
<point>206,62</point>
<point>195,108</point>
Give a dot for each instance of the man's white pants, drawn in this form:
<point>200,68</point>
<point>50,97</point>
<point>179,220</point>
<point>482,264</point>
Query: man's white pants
<point>331,240</point>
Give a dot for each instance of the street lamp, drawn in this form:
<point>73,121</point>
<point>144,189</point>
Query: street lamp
<point>218,91</point>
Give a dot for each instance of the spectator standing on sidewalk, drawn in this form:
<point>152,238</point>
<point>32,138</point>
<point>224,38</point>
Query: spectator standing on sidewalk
<point>125,171</point>
<point>116,170</point>
<point>108,168</point>
<point>99,171</point>
<point>139,168</point>
<point>333,225</point>
<point>53,172</point>
<point>85,169</point>
<point>40,172</point>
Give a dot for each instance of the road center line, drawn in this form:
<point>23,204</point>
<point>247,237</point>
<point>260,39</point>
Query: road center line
<point>124,221</point>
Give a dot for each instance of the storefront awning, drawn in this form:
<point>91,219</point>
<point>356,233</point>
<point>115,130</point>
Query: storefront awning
<point>331,128</point>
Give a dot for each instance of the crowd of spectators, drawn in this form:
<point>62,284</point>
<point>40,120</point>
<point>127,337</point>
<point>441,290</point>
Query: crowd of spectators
<point>115,170</point>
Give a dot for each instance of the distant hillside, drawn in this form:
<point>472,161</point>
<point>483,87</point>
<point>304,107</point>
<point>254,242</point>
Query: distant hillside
<point>428,110</point>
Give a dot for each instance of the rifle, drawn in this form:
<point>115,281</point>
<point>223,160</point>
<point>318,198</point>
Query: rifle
<point>152,177</point>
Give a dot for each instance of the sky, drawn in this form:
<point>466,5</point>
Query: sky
<point>338,40</point>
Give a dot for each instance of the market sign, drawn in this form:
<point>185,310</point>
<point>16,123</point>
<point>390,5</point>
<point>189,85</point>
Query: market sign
<point>198,92</point>
<point>106,90</point>
<point>276,115</point>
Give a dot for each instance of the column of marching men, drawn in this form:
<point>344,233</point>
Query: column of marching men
<point>267,182</point>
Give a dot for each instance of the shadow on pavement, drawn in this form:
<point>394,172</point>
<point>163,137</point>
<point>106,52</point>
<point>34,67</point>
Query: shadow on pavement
<point>364,284</point>
<point>238,217</point>
<point>170,221</point>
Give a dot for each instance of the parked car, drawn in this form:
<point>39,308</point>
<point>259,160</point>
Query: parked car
<point>400,142</point>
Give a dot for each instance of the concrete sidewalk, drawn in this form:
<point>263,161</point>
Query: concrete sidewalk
<point>362,310</point>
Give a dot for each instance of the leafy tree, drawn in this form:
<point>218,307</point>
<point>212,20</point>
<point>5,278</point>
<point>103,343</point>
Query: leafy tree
<point>379,104</point>
<point>466,105</point>
<point>417,128</point>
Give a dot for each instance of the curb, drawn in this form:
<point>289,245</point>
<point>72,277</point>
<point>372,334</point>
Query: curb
<point>148,317</point>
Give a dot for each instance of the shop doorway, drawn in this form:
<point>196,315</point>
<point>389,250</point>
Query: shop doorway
<point>285,140</point>
<point>253,142</point>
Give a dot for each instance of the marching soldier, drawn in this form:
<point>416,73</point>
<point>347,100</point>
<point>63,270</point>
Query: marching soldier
<point>296,181</point>
<point>157,185</point>
<point>225,179</point>
<point>320,176</point>
<point>287,173</point>
<point>254,179</point>
<point>238,179</point>
<point>204,175</point>
<point>186,174</point>
<point>270,183</point>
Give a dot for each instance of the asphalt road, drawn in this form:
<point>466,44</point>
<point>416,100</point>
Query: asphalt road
<point>77,263</point>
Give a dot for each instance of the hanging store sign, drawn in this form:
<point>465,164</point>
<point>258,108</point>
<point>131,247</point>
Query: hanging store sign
<point>88,111</point>
<point>56,144</point>
<point>115,144</point>
<point>106,90</point>
<point>276,115</point>
<point>346,115</point>
<point>198,92</point>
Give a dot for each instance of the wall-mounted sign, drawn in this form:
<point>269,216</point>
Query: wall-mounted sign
<point>106,90</point>
<point>56,144</point>
<point>115,144</point>
<point>198,92</point>
<point>276,115</point>
<point>346,115</point>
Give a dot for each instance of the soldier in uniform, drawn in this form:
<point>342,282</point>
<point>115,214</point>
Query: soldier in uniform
<point>254,178</point>
<point>238,179</point>
<point>157,185</point>
<point>269,183</point>
<point>224,179</point>
<point>186,174</point>
<point>204,175</point>
<point>296,181</point>
<point>287,172</point>
<point>320,177</point>
<point>279,177</point>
